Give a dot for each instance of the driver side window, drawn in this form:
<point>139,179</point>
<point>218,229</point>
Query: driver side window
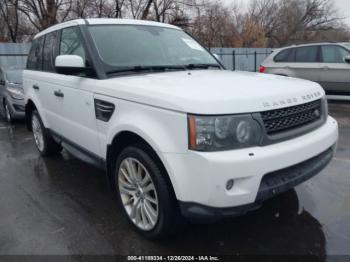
<point>71,43</point>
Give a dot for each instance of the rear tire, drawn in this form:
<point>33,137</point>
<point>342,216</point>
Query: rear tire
<point>145,195</point>
<point>44,142</point>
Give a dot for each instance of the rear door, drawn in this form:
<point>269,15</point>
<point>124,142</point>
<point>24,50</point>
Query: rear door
<point>306,65</point>
<point>335,76</point>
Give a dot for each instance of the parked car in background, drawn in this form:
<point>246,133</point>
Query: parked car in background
<point>325,63</point>
<point>177,134</point>
<point>11,94</point>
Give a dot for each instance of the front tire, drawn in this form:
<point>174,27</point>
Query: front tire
<point>45,144</point>
<point>144,193</point>
<point>8,115</point>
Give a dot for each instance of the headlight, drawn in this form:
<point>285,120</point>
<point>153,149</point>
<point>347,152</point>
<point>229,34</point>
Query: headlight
<point>325,101</point>
<point>218,133</point>
<point>16,93</point>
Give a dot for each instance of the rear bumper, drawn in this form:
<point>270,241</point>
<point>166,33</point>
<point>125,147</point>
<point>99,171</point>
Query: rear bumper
<point>271,185</point>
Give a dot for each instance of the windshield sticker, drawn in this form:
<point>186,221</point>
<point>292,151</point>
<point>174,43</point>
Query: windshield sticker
<point>193,44</point>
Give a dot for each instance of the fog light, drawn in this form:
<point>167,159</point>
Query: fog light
<point>229,184</point>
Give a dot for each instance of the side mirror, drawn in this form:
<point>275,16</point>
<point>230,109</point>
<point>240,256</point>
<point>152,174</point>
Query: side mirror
<point>70,64</point>
<point>347,59</point>
<point>2,82</point>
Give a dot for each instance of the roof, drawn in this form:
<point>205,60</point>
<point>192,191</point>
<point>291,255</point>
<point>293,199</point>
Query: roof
<point>104,21</point>
<point>312,44</point>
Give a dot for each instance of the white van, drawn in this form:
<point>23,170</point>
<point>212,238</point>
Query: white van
<point>178,136</point>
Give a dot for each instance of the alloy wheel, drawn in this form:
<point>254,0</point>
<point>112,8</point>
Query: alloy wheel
<point>138,194</point>
<point>38,133</point>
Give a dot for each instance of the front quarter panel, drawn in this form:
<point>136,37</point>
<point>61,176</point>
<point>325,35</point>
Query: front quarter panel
<point>164,130</point>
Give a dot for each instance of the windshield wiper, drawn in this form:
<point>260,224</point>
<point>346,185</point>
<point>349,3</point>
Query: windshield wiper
<point>147,68</point>
<point>202,66</point>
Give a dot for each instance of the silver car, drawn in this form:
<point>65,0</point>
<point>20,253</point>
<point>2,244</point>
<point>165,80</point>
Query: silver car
<point>325,63</point>
<point>11,94</point>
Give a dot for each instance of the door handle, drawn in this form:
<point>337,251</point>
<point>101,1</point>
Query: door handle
<point>325,68</point>
<point>58,93</point>
<point>36,87</point>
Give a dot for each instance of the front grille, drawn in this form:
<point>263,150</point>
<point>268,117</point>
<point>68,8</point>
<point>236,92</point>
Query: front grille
<point>285,119</point>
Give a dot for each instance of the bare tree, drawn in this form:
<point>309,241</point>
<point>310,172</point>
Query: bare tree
<point>44,13</point>
<point>286,21</point>
<point>10,16</point>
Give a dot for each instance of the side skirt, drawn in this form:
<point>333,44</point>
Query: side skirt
<point>79,152</point>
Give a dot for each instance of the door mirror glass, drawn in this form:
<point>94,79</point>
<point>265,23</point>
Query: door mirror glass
<point>69,64</point>
<point>347,59</point>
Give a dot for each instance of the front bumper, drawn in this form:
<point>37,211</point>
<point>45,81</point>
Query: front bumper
<point>17,107</point>
<point>199,179</point>
<point>272,184</point>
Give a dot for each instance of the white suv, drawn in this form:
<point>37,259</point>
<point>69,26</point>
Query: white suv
<point>177,134</point>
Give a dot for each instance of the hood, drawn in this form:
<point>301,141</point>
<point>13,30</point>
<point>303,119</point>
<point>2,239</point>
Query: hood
<point>213,91</point>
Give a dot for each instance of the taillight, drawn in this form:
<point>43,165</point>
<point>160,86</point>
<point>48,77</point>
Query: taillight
<point>262,69</point>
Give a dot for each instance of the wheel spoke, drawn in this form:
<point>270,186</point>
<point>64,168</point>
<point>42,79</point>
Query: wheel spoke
<point>130,170</point>
<point>138,217</point>
<point>143,216</point>
<point>126,191</point>
<point>149,187</point>
<point>129,201</point>
<point>146,180</point>
<point>151,199</point>
<point>126,175</point>
<point>134,209</point>
<point>151,215</point>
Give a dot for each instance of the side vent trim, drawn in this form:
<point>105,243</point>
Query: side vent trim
<point>104,110</point>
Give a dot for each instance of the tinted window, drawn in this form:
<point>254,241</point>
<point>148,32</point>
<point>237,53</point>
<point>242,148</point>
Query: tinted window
<point>49,52</point>
<point>35,58</point>
<point>307,54</point>
<point>333,54</point>
<point>32,58</point>
<point>287,55</point>
<point>71,43</point>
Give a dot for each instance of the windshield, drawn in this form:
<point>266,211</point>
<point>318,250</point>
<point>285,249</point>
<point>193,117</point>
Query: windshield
<point>123,46</point>
<point>14,76</point>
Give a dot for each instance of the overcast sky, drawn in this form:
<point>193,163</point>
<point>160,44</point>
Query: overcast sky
<point>342,5</point>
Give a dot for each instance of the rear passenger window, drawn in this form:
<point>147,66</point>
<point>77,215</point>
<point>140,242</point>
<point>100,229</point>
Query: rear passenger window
<point>287,55</point>
<point>71,43</point>
<point>333,54</point>
<point>307,54</point>
<point>35,58</point>
<point>49,52</point>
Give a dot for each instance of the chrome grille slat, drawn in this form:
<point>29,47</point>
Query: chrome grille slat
<point>285,119</point>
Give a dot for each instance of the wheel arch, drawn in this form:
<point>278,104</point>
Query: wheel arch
<point>127,138</point>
